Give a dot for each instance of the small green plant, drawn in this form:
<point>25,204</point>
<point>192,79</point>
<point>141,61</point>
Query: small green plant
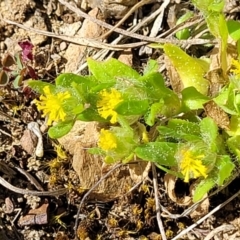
<point>144,119</point>
<point>186,32</point>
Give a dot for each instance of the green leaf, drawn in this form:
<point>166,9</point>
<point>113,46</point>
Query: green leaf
<point>152,67</point>
<point>17,81</point>
<point>109,160</point>
<point>189,69</point>
<point>155,86</point>
<point>67,79</point>
<point>60,129</point>
<point>158,92</point>
<point>96,150</point>
<point>184,33</point>
<point>111,70</point>
<point>238,47</point>
<point>161,153</point>
<point>89,115</point>
<point>171,105</point>
<point>224,43</point>
<point>192,99</point>
<point>132,107</point>
<point>226,99</point>
<point>216,5</point>
<point>209,5</point>
<point>102,86</point>
<point>234,29</point>
<point>213,13</point>
<point>38,86</point>
<point>181,129</point>
<point>234,126</point>
<point>233,145</point>
<point>77,109</point>
<point>165,169</point>
<point>225,167</point>
<point>150,116</point>
<point>202,188</point>
<point>18,60</point>
<point>156,45</point>
<point>209,132</point>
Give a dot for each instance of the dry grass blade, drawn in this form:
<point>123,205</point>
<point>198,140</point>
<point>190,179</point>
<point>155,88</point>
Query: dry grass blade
<point>206,216</point>
<point>76,40</point>
<point>88,193</point>
<point>155,185</point>
<point>143,38</point>
<point>223,228</point>
<point>9,186</point>
<point>132,10</point>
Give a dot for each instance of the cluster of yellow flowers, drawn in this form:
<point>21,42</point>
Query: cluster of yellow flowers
<point>191,166</point>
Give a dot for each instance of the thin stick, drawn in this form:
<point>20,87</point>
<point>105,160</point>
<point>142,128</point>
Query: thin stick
<point>143,38</point>
<point>76,39</point>
<point>132,10</point>
<point>88,193</point>
<point>9,186</point>
<point>155,186</point>
<point>205,217</point>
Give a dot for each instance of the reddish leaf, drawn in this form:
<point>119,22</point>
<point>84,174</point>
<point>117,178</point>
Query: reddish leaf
<point>4,78</point>
<point>27,47</point>
<point>32,73</point>
<point>8,60</point>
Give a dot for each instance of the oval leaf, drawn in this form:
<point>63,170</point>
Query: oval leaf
<point>111,70</point>
<point>225,167</point>
<point>132,107</point>
<point>60,129</point>
<point>202,188</point>
<point>161,153</point>
<point>189,69</point>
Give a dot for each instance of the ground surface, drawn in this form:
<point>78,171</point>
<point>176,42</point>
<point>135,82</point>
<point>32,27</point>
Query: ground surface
<point>122,206</point>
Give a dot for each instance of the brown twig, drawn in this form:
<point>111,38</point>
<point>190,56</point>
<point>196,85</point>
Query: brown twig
<point>143,38</point>
<point>76,39</point>
<point>88,193</point>
<point>98,44</point>
<point>132,10</point>
<point>9,186</point>
<point>223,228</point>
<point>30,178</point>
<point>206,216</point>
<point>155,187</point>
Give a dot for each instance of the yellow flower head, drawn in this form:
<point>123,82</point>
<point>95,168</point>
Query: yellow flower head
<point>107,140</point>
<point>51,105</point>
<point>191,166</point>
<point>107,103</point>
<point>236,65</point>
<point>61,154</point>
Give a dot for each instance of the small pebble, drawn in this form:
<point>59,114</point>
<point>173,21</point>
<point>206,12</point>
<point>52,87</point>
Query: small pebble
<point>63,46</point>
<point>2,46</point>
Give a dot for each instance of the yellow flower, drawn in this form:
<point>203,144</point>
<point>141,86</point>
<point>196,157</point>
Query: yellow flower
<point>107,140</point>
<point>51,105</point>
<point>60,152</point>
<point>107,103</point>
<point>236,65</point>
<point>191,166</point>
